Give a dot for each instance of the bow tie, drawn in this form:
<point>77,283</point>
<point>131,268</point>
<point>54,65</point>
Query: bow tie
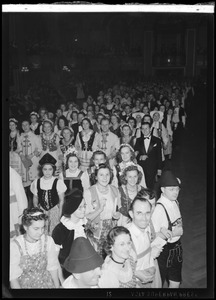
<point>146,137</point>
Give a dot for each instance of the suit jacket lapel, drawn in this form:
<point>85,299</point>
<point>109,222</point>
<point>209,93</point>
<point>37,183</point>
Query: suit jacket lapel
<point>150,145</point>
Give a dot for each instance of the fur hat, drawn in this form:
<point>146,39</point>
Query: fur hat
<point>47,159</point>
<point>72,201</point>
<point>169,179</point>
<point>82,257</point>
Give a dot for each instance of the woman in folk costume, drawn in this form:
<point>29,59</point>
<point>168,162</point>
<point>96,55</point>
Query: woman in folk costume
<point>167,121</point>
<point>159,130</point>
<point>72,175</point>
<point>35,126</point>
<point>127,136</point>
<point>125,157</point>
<point>50,142</point>
<point>15,160</point>
<point>130,179</point>
<point>118,269</point>
<point>84,142</point>
<point>33,259</point>
<point>18,202</point>
<point>49,191</point>
<point>103,201</point>
<point>29,149</point>
<point>66,142</point>
<point>71,226</point>
<point>99,157</point>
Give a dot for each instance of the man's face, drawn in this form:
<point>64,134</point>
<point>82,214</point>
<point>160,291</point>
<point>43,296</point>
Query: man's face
<point>145,129</point>
<point>105,125</point>
<point>171,192</point>
<point>90,278</point>
<point>25,126</point>
<point>141,214</point>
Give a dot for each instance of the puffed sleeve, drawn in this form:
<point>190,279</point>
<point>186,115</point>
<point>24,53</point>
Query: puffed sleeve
<point>15,270</point>
<point>61,187</point>
<point>85,180</point>
<point>38,143</point>
<point>17,188</point>
<point>52,255</point>
<point>87,197</point>
<point>33,187</point>
<point>108,280</point>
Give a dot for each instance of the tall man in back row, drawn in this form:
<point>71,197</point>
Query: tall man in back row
<point>148,154</point>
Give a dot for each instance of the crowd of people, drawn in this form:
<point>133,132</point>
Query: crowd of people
<point>95,203</point>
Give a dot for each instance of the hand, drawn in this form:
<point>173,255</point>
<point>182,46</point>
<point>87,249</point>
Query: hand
<point>145,275</point>
<point>116,215</point>
<point>178,230</point>
<point>155,251</point>
<point>167,233</point>
<point>36,153</point>
<point>143,157</point>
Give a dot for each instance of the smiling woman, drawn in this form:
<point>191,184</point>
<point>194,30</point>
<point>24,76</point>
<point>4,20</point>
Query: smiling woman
<point>33,259</point>
<point>103,201</point>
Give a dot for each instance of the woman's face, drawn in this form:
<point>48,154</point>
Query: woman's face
<point>80,212</point>
<point>126,130</point>
<point>74,116</point>
<point>63,107</point>
<point>12,126</point>
<point>85,125</point>
<point>47,127</point>
<point>131,123</point>
<point>132,177</point>
<point>73,163</point>
<point>114,120</point>
<point>145,110</point>
<point>156,117</point>
<point>35,230</point>
<point>126,154</point>
<point>66,134</point>
<point>103,177</point>
<point>162,108</point>
<point>99,159</point>
<point>85,104</point>
<point>121,247</point>
<point>61,123</point>
<point>33,119</point>
<point>47,171</point>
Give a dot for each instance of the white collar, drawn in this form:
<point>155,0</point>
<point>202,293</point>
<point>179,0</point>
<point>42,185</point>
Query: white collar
<point>166,202</point>
<point>136,231</point>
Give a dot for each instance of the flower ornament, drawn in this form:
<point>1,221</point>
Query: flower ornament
<point>70,151</point>
<point>13,120</point>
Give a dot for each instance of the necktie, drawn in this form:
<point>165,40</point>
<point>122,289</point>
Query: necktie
<point>147,137</point>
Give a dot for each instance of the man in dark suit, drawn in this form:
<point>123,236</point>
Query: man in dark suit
<point>148,154</point>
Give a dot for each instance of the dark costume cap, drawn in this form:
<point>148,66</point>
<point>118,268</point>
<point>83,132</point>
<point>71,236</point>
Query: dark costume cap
<point>47,159</point>
<point>72,201</point>
<point>82,257</point>
<point>169,179</point>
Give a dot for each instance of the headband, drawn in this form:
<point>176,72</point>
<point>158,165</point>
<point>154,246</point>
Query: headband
<point>34,114</point>
<point>126,145</point>
<point>13,120</point>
